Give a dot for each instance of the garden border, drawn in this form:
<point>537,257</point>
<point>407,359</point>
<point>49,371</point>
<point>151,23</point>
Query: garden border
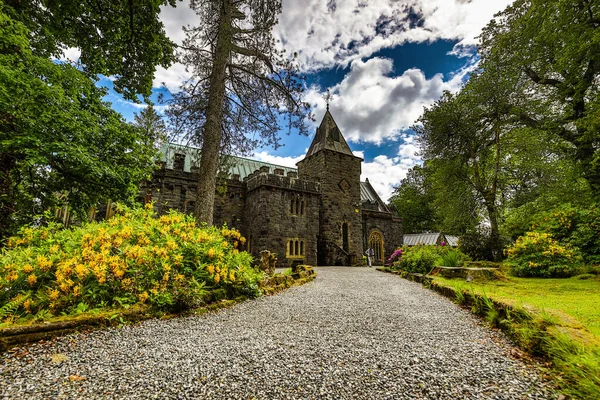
<point>22,335</point>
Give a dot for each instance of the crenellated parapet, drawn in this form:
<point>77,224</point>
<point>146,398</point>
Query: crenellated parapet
<point>290,182</point>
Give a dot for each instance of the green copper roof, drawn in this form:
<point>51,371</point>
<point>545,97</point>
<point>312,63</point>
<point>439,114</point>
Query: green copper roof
<point>234,165</point>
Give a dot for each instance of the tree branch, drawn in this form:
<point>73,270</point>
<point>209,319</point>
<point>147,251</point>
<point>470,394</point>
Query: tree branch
<point>253,53</point>
<point>534,76</point>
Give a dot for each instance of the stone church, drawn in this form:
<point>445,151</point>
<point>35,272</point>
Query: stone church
<point>318,214</point>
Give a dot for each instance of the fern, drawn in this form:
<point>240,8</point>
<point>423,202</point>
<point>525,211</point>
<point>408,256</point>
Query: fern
<point>12,306</point>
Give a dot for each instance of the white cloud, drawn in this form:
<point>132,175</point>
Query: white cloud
<point>171,78</point>
<point>372,105</point>
<point>71,54</point>
<point>176,18</point>
<point>278,160</point>
<point>385,173</point>
<point>330,33</point>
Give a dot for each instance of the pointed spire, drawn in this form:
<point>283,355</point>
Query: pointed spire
<point>327,98</point>
<point>328,137</point>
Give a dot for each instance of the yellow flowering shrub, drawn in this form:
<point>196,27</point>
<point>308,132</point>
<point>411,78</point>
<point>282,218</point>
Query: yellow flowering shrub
<point>539,254</point>
<point>134,257</point>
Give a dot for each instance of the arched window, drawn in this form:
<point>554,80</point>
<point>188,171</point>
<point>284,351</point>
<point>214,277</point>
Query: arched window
<point>376,243</point>
<point>345,238</point>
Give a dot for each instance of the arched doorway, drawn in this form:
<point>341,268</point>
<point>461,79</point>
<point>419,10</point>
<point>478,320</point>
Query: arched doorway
<point>376,243</point>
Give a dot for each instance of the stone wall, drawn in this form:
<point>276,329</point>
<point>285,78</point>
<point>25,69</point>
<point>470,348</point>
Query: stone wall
<point>170,189</point>
<point>270,221</point>
<point>388,224</point>
<point>339,176</point>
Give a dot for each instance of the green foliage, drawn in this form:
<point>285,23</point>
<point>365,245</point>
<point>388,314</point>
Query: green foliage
<point>540,255</point>
<point>551,47</point>
<point>477,244</point>
<point>13,305</point>
<point>60,143</point>
<point>421,259</point>
<point>413,200</point>
<point>135,257</point>
<point>417,259</point>
<point>578,227</point>
<point>451,258</point>
<point>125,39</point>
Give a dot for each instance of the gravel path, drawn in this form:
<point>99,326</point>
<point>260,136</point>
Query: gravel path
<point>352,333</point>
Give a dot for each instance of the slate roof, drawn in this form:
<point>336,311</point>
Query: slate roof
<point>413,239</point>
<point>329,137</point>
<point>368,194</point>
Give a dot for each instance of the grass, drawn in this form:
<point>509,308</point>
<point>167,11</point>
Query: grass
<point>556,318</point>
<point>575,298</point>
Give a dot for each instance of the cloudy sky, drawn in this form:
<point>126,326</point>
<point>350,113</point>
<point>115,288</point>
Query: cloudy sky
<point>382,60</point>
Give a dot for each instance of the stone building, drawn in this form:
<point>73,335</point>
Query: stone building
<point>318,214</point>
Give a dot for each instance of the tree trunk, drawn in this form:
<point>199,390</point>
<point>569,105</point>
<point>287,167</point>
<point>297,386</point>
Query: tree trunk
<point>211,138</point>
<point>495,244</point>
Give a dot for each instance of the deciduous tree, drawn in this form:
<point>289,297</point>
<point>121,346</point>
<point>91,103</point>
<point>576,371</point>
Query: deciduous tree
<point>553,46</point>
<point>59,142</point>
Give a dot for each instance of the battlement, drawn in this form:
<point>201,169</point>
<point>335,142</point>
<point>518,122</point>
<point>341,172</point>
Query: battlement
<point>258,179</point>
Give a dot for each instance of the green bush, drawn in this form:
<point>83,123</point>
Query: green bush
<point>421,259</point>
<point>540,255</point>
<point>573,226</point>
<point>451,258</point>
<point>134,257</point>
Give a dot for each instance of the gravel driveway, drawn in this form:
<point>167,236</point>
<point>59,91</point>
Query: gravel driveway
<point>353,333</point>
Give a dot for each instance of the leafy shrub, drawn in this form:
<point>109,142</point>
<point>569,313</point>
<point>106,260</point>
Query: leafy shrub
<point>450,258</point>
<point>477,245</point>
<point>573,226</point>
<point>539,254</point>
<point>134,257</point>
<point>422,258</point>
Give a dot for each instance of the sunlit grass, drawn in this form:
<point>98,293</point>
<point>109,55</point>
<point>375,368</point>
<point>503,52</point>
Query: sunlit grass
<point>577,298</point>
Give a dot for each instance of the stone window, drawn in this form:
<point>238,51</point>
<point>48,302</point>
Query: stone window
<point>179,162</point>
<point>295,248</point>
<point>296,206</point>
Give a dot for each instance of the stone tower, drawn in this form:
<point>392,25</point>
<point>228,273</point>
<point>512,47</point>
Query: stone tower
<point>330,162</point>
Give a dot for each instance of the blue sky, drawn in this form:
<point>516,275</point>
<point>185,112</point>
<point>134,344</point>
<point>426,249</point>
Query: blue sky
<point>382,60</point>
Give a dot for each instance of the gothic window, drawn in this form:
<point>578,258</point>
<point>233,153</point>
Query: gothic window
<point>179,162</point>
<point>376,243</point>
<point>295,248</point>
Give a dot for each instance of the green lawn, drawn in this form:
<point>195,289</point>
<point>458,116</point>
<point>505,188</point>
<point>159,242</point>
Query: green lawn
<point>577,298</point>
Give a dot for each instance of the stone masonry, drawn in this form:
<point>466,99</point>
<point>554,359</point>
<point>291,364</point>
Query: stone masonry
<point>319,214</point>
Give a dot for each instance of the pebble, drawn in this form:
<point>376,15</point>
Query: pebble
<point>353,333</point>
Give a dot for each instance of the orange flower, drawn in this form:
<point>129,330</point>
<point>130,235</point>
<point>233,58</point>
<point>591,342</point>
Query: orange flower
<point>142,297</point>
<point>32,279</point>
<point>54,294</point>
<point>27,268</point>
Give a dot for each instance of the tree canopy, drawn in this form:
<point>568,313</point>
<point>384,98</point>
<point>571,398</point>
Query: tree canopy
<point>60,143</point>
